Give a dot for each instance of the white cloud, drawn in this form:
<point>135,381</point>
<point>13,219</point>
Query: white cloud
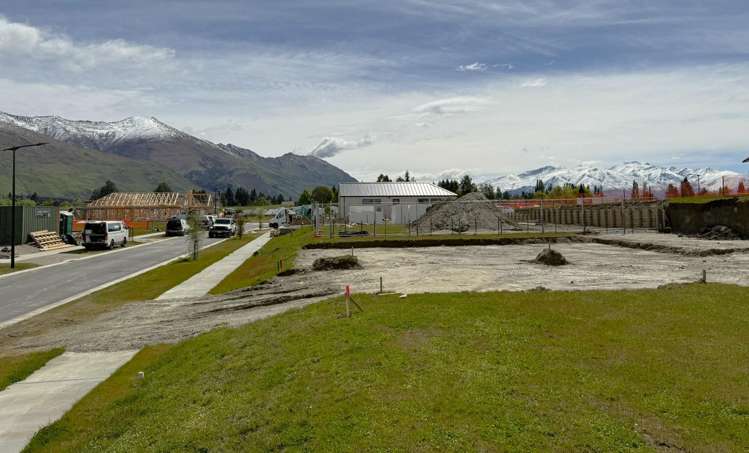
<point>447,106</point>
<point>331,146</point>
<point>473,67</point>
<point>535,83</point>
<point>21,41</point>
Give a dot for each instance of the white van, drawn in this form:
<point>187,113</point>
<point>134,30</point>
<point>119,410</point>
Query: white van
<point>104,233</point>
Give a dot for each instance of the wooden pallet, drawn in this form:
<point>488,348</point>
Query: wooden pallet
<point>47,240</point>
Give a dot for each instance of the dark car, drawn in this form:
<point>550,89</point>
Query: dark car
<point>177,227</point>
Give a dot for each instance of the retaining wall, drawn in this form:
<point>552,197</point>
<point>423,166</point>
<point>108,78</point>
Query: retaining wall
<point>692,218</point>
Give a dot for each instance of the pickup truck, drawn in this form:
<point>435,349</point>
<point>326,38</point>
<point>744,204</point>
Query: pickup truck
<point>222,227</point>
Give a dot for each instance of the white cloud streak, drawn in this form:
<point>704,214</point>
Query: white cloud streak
<point>473,67</point>
<point>21,41</point>
<point>332,146</point>
<point>452,105</point>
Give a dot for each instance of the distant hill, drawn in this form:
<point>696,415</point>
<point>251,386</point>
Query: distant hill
<point>68,171</point>
<point>206,165</point>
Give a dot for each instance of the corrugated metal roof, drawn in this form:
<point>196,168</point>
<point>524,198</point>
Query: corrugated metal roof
<point>392,189</point>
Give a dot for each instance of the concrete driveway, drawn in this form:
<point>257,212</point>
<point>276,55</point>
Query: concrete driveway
<point>28,292</point>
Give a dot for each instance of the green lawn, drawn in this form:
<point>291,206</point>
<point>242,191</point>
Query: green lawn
<point>431,240</point>
<point>17,368</point>
<point>5,268</point>
<point>703,199</point>
<point>534,371</point>
<point>264,264</point>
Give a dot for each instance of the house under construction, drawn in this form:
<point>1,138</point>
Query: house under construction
<point>148,205</point>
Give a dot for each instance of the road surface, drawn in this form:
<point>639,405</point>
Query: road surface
<point>26,292</point>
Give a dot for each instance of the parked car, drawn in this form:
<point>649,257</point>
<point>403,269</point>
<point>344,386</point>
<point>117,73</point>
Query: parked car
<point>206,222</point>
<point>177,227</point>
<point>223,227</point>
<point>104,233</point>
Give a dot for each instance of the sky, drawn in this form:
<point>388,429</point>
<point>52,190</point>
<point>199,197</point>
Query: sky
<point>485,87</point>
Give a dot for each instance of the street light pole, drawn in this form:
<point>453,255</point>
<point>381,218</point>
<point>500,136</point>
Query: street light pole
<point>13,150</point>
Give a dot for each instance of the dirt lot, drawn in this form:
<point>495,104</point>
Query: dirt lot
<point>412,270</point>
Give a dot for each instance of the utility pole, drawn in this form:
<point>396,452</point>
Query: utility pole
<point>13,150</point>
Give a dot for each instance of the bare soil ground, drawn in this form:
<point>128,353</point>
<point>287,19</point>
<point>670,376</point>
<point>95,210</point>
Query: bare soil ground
<point>409,270</point>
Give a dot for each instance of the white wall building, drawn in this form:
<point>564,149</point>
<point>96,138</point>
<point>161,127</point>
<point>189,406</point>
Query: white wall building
<point>398,202</point>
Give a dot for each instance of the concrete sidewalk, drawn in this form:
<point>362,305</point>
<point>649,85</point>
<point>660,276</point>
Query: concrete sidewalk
<point>51,391</point>
<point>199,284</point>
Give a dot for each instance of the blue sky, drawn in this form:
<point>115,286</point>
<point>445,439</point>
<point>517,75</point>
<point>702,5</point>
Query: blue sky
<point>381,86</point>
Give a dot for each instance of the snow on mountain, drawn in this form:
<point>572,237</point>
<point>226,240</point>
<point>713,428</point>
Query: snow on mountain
<point>616,177</point>
<point>95,134</point>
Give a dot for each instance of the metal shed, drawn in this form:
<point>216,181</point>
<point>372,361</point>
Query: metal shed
<point>396,202</point>
<point>28,219</point>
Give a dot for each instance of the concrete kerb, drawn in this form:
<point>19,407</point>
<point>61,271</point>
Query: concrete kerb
<point>41,310</point>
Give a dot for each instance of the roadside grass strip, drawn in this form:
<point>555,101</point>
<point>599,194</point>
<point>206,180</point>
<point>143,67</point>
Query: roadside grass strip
<point>531,371</point>
<point>201,283</point>
<point>146,286</point>
<point>17,368</point>
<point>5,268</point>
<point>264,264</point>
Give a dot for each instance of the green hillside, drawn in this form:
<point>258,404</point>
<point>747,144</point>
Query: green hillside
<point>62,170</point>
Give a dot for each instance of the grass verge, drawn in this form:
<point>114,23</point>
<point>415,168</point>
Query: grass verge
<point>565,371</point>
<point>79,420</point>
<point>17,368</point>
<point>454,240</point>
<point>5,268</point>
<point>143,287</point>
<point>263,265</point>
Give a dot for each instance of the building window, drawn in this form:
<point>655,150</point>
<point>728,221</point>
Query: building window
<point>423,200</point>
<point>396,200</point>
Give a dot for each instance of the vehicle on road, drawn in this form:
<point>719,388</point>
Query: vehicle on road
<point>177,227</point>
<point>223,227</point>
<point>281,218</point>
<point>206,222</point>
<point>104,233</point>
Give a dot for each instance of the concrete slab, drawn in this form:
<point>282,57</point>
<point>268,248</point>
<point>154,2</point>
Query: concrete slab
<point>51,391</point>
<point>199,284</point>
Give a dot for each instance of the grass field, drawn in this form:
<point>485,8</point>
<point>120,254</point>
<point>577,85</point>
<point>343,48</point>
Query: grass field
<point>703,199</point>
<point>17,368</point>
<point>264,265</point>
<point>5,268</point>
<point>143,287</point>
<point>564,371</point>
<point>431,240</point>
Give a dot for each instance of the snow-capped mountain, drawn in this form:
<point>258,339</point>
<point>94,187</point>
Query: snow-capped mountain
<point>94,134</point>
<point>207,165</point>
<point>616,177</point>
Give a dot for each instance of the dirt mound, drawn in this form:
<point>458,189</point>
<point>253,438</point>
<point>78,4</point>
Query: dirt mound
<point>551,257</point>
<point>718,233</point>
<point>336,263</point>
<point>471,211</point>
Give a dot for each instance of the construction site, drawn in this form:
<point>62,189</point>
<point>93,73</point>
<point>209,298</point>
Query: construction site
<point>108,305</point>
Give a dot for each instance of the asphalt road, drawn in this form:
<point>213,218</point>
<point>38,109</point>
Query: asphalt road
<point>23,293</point>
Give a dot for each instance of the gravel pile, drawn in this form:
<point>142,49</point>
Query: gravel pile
<point>470,211</point>
<point>336,262</point>
<point>551,257</point>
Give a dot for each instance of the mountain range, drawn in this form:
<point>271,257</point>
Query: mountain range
<point>616,177</point>
<point>138,153</point>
